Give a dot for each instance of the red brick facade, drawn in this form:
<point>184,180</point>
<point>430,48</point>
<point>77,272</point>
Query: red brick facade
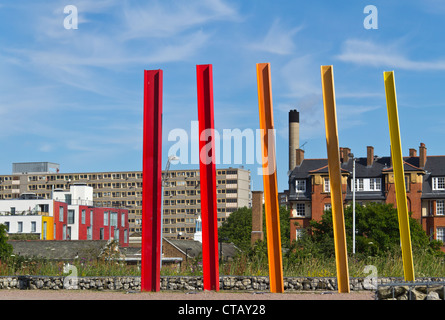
<point>425,198</point>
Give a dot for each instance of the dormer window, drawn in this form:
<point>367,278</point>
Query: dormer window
<point>368,184</point>
<point>438,183</point>
<point>300,185</point>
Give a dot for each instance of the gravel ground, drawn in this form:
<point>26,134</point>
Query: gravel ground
<point>14,294</point>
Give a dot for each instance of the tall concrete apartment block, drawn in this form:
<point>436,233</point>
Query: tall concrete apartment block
<point>181,192</point>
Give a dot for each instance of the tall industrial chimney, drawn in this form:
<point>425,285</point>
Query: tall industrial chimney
<point>294,137</point>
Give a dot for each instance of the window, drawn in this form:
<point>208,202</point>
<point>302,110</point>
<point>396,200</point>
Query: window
<point>298,233</point>
<point>20,226</point>
<point>113,219</point>
<point>105,218</point>
<point>327,207</point>
<point>61,214</point>
<point>70,216</point>
<point>123,219</point>
<point>368,184</point>
<point>101,234</point>
<point>300,210</point>
<point>89,233</point>
<point>438,183</point>
<point>440,234</point>
<point>375,184</point>
<point>440,207</point>
<point>327,185</point>
<point>33,226</point>
<point>83,216</point>
<point>359,185</point>
<point>300,186</point>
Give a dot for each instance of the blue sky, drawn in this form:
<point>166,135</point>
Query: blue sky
<point>75,96</point>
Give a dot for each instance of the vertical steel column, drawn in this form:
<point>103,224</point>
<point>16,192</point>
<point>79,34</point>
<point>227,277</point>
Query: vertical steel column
<point>399,175</point>
<point>330,113</point>
<point>151,181</point>
<point>204,77</point>
<point>270,178</point>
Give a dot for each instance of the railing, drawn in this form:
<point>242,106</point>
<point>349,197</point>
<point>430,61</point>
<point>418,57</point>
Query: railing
<point>24,213</point>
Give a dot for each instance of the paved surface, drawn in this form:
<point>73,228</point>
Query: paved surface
<point>15,294</point>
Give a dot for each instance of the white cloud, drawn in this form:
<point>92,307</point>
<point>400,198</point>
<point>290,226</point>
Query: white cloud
<point>278,40</point>
<point>170,19</point>
<point>301,76</point>
<point>368,53</point>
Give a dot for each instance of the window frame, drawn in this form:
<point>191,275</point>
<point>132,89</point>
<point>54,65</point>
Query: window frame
<point>297,210</point>
<point>300,183</point>
<point>440,210</point>
<point>436,182</point>
<point>326,185</point>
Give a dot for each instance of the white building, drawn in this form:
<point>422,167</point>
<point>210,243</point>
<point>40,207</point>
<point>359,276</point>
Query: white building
<point>27,215</point>
<point>79,195</point>
<point>31,215</point>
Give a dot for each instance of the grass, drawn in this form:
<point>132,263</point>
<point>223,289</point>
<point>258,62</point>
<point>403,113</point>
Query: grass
<point>391,265</point>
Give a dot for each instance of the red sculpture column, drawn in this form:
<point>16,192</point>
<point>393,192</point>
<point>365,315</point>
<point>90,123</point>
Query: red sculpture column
<point>151,182</point>
<point>207,177</point>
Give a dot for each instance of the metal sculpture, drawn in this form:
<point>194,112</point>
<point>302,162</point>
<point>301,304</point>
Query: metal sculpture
<point>399,175</point>
<point>151,181</point>
<point>207,172</point>
<point>330,113</point>
<point>270,178</point>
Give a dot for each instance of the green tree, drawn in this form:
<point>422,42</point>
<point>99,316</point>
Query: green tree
<point>237,228</point>
<point>5,247</point>
<point>377,231</point>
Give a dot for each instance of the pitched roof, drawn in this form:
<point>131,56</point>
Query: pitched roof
<point>194,248</point>
<point>434,167</point>
<point>58,249</point>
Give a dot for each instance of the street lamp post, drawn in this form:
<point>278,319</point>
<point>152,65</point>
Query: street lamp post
<point>353,202</point>
<point>164,182</point>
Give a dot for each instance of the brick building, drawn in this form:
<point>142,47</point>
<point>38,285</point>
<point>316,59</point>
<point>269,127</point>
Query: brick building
<point>309,188</point>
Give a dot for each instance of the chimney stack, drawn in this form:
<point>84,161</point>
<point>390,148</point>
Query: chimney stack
<point>346,152</point>
<point>257,217</point>
<point>299,157</point>
<point>412,152</point>
<point>294,137</point>
<point>422,155</point>
<point>370,156</point>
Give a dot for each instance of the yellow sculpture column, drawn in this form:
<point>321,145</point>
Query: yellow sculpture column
<point>399,175</point>
<point>330,114</point>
